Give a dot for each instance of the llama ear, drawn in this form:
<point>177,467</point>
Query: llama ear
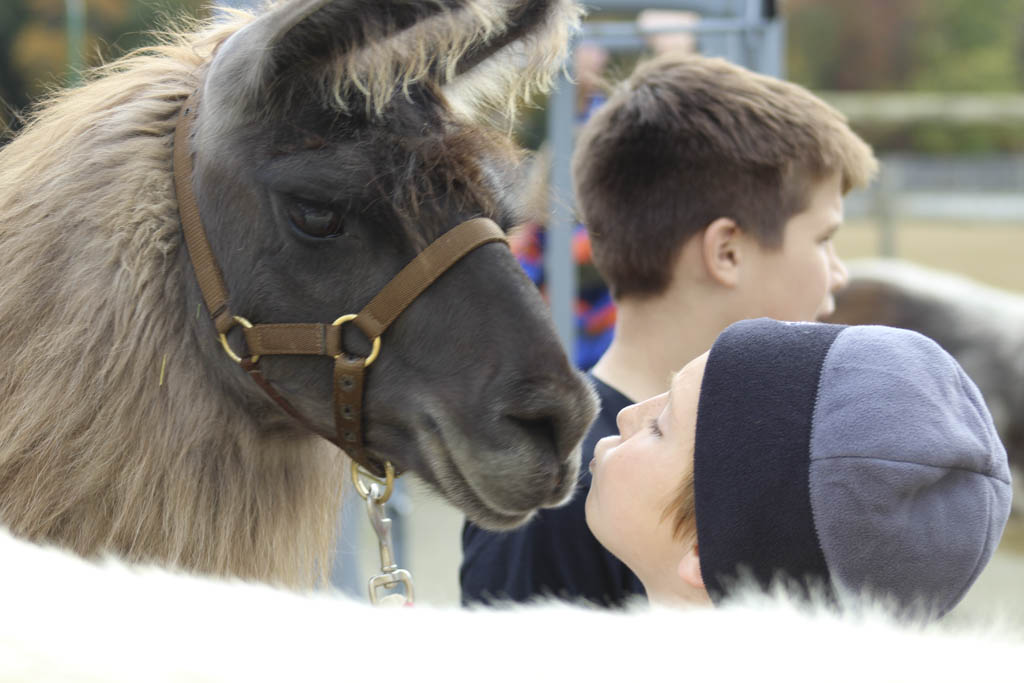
<point>300,41</point>
<point>517,60</point>
<point>352,48</point>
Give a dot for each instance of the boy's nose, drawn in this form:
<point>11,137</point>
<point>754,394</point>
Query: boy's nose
<point>840,276</point>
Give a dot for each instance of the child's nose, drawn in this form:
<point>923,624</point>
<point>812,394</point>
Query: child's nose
<point>626,420</point>
<point>840,276</point>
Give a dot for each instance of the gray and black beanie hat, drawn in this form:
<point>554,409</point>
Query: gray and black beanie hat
<point>861,460</point>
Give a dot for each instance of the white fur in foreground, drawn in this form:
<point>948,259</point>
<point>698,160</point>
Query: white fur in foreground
<point>62,618</point>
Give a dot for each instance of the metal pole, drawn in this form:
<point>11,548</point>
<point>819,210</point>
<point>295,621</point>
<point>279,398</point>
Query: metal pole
<point>75,10</point>
<point>559,267</point>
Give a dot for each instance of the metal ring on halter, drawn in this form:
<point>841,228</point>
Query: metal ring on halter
<point>376,340</point>
<point>227,347</point>
<point>359,472</point>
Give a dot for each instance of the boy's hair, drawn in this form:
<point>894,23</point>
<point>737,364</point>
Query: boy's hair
<point>688,139</point>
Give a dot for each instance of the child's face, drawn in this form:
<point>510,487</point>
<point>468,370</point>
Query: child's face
<point>637,474</point>
<point>796,281</point>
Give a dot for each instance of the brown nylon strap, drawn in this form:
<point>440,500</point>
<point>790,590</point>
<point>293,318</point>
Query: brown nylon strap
<point>211,282</point>
<point>348,398</point>
<point>257,375</point>
<point>316,338</point>
<point>421,272</point>
<point>325,340</point>
<point>300,339</point>
<point>348,410</point>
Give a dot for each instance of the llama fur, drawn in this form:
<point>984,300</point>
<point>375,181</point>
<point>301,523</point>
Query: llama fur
<point>71,620</point>
<point>112,439</point>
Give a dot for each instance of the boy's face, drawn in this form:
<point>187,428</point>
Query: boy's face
<point>795,282</point>
<point>637,474</point>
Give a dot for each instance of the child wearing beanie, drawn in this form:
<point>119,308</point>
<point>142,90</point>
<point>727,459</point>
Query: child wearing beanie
<point>855,461</point>
<point>711,194</point>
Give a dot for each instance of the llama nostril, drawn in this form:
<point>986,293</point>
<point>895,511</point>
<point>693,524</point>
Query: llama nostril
<point>550,419</point>
<point>541,429</point>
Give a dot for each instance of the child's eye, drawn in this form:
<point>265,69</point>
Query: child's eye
<point>827,237</point>
<point>653,426</point>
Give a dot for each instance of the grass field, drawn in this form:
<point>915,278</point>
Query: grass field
<point>992,253</point>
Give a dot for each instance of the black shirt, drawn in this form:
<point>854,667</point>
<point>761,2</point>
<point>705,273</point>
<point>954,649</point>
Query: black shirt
<point>554,554</point>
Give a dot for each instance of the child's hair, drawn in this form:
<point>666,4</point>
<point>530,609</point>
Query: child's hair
<point>688,139</point>
<point>680,510</point>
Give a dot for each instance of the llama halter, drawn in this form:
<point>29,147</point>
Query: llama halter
<point>317,339</point>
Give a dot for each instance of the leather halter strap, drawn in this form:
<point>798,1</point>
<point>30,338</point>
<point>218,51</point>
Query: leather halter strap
<point>211,282</point>
<point>316,339</point>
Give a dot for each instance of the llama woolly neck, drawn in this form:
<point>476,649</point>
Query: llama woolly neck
<point>96,454</point>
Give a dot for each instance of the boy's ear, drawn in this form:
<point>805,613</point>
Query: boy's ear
<point>721,251</point>
<point>689,568</point>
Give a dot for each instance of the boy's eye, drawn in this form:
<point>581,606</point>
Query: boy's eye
<point>653,426</point>
<point>827,237</point>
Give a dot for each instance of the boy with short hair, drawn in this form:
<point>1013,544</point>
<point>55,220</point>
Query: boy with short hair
<point>858,461</point>
<point>711,195</point>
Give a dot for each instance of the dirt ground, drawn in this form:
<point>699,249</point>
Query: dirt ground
<point>991,253</point>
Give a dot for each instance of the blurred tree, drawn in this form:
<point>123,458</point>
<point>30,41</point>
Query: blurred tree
<point>34,45</point>
<point>925,45</point>
<point>12,84</point>
<point>906,45</point>
<point>839,45</point>
<point>969,45</point>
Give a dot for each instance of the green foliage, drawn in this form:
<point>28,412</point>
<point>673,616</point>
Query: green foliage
<point>817,60</point>
<point>932,137</point>
<point>34,42</point>
<point>923,45</point>
<point>969,45</point>
<point>918,45</point>
<point>12,85</point>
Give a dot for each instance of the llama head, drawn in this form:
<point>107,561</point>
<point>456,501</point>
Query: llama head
<point>333,141</point>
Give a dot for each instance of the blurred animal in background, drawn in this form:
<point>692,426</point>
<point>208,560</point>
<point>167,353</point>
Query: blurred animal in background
<point>981,326</point>
<point>331,142</point>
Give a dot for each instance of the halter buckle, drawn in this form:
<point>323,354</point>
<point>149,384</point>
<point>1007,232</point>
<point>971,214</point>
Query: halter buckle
<point>360,474</point>
<point>227,347</point>
<point>376,340</point>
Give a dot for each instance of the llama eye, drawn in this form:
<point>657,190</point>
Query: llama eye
<point>316,220</point>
